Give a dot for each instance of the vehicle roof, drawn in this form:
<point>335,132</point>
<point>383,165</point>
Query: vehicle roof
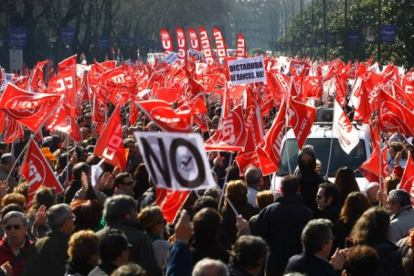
<point>324,130</point>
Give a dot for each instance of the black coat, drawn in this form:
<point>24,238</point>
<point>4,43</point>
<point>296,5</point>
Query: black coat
<point>390,262</point>
<point>310,265</point>
<point>331,212</point>
<point>280,224</point>
<point>309,184</point>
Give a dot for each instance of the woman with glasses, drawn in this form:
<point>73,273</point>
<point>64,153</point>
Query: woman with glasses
<point>153,222</point>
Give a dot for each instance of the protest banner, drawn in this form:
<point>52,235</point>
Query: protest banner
<point>246,70</point>
<point>176,161</point>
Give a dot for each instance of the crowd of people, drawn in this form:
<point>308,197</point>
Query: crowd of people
<point>310,227</point>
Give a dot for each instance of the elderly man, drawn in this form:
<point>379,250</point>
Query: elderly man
<point>50,255</point>
<point>372,193</point>
<point>402,214</point>
<point>15,244</point>
<point>254,182</point>
<point>6,165</point>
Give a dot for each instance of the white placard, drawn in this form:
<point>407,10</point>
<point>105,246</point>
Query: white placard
<point>247,70</point>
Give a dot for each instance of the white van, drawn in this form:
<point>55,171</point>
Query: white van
<point>320,138</point>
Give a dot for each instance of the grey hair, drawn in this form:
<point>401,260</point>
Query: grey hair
<point>213,192</point>
<point>57,215</point>
<point>117,207</point>
<point>15,214</point>
<point>201,267</point>
<point>6,158</point>
<point>315,234</point>
<point>252,175</point>
<point>399,196</point>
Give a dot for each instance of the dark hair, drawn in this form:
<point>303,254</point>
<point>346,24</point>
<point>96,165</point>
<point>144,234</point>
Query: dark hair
<point>117,207</point>
<point>307,165</point>
<point>372,227</point>
<point>206,226</point>
<point>346,182</point>
<point>355,205</point>
<point>11,207</point>
<point>6,158</point>
<point>248,252</point>
<point>361,260</point>
<point>330,190</point>
<point>141,175</point>
<point>203,202</point>
<point>236,191</point>
<point>252,175</point>
<point>233,173</point>
<point>119,178</point>
<point>43,196</point>
<point>88,214</point>
<point>112,244</point>
<point>79,168</point>
<point>400,196</point>
<point>290,184</point>
<point>315,235</point>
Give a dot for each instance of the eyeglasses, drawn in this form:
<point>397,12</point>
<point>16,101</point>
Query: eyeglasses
<point>129,183</point>
<point>13,226</point>
<point>319,197</point>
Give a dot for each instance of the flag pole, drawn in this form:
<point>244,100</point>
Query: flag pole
<point>330,147</point>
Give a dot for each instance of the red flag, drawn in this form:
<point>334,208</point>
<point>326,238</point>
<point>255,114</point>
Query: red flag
<point>166,41</point>
<point>170,202</point>
<point>220,45</point>
<point>408,84</point>
<point>371,168</point>
<point>341,89</point>
<point>64,83</point>
<point>408,178</point>
<point>37,171</point>
<point>110,144</point>
<point>62,121</point>
<point>403,97</point>
<point>13,130</point>
<point>194,40</point>
<point>395,116</point>
<point>201,121</point>
<point>206,45</point>
<point>311,87</point>
<point>283,83</point>
<point>241,46</point>
<point>231,136</point>
<point>245,160</point>
<point>272,143</point>
<point>182,45</point>
<point>67,63</point>
<point>169,95</point>
<point>301,117</point>
<point>35,82</point>
<point>30,109</point>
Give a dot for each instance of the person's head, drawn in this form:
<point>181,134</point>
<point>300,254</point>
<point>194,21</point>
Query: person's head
<point>346,182</point>
<point>120,207</point>
<point>114,247</point>
<point>152,127</point>
<point>317,237</point>
<point>391,182</point>
<point>86,133</point>
<point>203,202</point>
<point>16,198</point>
<point>130,269</point>
<point>7,160</point>
<point>152,220</point>
<point>307,159</point>
<point>83,248</point>
<point>23,189</point>
<point>372,192</point>
<point>318,167</point>
<point>88,214</point>
<point>355,205</point>
<point>398,199</point>
<point>290,184</point>
<point>254,178</point>
<point>328,194</point>
<point>361,260</point>
<point>4,148</point>
<point>213,193</point>
<point>233,173</point>
<point>43,196</point>
<point>125,182</point>
<point>372,227</point>
<point>60,218</point>
<point>236,191</point>
<point>264,198</point>
<point>206,225</point>
<point>11,207</point>
<point>395,147</point>
<point>79,168</point>
<point>15,228</point>
<point>249,252</point>
<point>210,267</point>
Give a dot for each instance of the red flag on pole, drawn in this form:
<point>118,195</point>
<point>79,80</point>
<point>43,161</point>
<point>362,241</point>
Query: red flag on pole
<point>301,117</point>
<point>408,178</point>
<point>194,40</point>
<point>37,171</point>
<point>206,45</point>
<point>170,202</point>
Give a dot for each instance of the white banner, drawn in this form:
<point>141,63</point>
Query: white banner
<point>176,161</point>
<point>247,70</point>
<point>346,132</point>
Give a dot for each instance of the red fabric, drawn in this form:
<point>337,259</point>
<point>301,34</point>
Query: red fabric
<point>301,117</point>
<point>194,39</point>
<point>170,202</point>
<point>166,41</point>
<point>407,178</point>
<point>67,63</point>
<point>182,45</point>
<point>17,262</point>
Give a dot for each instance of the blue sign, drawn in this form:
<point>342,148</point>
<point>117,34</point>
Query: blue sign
<point>353,37</point>
<point>388,34</point>
<point>103,42</point>
<point>68,34</point>
<point>18,36</point>
<point>330,38</point>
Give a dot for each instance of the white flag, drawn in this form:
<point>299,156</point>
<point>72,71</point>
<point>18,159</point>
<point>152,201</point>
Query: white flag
<point>345,131</point>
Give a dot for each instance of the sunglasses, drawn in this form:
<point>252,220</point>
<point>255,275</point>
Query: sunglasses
<point>13,226</point>
<point>129,183</point>
<point>319,197</point>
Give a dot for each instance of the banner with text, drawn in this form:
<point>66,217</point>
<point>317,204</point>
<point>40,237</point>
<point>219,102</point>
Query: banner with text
<point>247,70</point>
<point>176,161</point>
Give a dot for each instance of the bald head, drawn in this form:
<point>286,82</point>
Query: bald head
<point>372,191</point>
